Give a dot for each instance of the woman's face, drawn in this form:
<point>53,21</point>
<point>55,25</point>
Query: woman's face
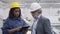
<point>16,12</point>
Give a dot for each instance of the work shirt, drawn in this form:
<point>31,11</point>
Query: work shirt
<point>13,23</point>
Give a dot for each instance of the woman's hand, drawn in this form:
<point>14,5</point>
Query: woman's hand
<point>25,31</point>
<point>18,28</point>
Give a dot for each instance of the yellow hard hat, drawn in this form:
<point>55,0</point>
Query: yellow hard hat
<point>15,4</point>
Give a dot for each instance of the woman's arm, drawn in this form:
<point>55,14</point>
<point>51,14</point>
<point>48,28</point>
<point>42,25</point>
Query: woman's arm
<point>14,30</point>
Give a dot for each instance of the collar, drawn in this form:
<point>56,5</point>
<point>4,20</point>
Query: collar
<point>16,18</point>
<point>39,16</point>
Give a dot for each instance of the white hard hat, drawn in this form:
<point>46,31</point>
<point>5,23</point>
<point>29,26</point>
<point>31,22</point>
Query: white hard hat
<point>35,6</point>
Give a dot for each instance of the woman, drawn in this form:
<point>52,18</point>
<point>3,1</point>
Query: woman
<point>14,23</point>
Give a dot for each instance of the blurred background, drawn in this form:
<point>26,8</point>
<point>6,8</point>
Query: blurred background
<point>50,9</point>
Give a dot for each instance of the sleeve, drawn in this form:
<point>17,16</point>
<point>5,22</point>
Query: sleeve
<point>25,27</point>
<point>47,27</point>
<point>5,27</point>
<point>24,23</point>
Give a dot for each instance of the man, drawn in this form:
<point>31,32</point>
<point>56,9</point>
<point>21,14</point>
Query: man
<point>41,24</point>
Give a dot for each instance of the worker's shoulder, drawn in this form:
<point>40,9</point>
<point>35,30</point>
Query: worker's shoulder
<point>44,18</point>
<point>7,20</point>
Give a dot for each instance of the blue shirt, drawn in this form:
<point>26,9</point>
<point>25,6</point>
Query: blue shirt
<point>13,23</point>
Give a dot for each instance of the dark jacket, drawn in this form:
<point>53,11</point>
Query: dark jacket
<point>43,26</point>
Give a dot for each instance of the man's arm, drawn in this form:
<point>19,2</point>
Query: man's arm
<point>47,26</point>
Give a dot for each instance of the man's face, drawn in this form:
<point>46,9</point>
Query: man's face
<point>36,13</point>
